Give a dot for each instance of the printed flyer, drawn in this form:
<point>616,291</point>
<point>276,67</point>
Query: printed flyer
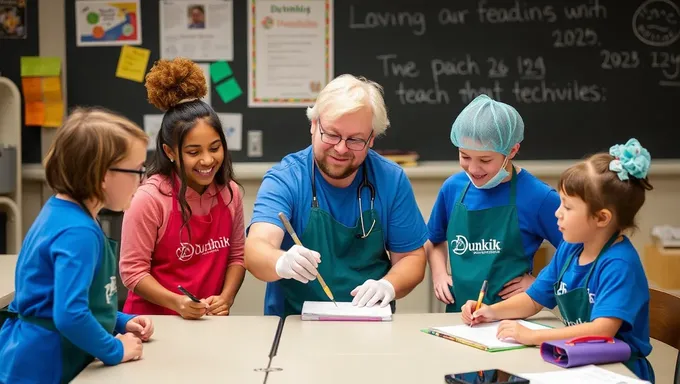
<point>106,23</point>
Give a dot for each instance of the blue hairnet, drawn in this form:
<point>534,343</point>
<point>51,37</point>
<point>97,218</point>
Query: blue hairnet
<point>487,125</point>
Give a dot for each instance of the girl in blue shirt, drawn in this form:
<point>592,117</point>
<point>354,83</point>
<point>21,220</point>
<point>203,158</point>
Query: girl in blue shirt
<point>64,313</point>
<point>490,219</point>
<point>595,278</point>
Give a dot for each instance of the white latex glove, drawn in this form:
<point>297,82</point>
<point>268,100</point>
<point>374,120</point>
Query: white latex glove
<point>373,291</point>
<point>298,263</point>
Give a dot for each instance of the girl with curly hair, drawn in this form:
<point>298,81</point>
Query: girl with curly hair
<point>185,224</point>
<point>595,278</point>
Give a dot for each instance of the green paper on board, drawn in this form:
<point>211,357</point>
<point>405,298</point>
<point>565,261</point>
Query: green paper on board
<point>219,71</point>
<point>36,66</point>
<point>229,90</point>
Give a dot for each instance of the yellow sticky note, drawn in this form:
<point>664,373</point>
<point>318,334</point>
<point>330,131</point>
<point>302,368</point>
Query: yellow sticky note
<point>31,87</point>
<point>54,114</point>
<point>34,113</point>
<point>51,88</point>
<point>40,66</point>
<point>132,63</point>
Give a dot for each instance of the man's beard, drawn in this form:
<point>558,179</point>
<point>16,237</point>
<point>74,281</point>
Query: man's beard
<point>333,172</point>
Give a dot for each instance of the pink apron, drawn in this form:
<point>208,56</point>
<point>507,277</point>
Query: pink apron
<point>198,265</point>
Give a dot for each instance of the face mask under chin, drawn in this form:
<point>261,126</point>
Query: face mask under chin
<point>495,180</point>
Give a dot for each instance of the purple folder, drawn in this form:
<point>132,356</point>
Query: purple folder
<point>585,350</point>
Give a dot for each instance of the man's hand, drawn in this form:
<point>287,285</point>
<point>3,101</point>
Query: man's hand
<point>298,263</point>
<point>373,291</point>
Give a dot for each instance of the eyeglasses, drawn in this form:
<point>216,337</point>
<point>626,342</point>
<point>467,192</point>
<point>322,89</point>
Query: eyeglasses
<point>353,144</point>
<point>140,172</point>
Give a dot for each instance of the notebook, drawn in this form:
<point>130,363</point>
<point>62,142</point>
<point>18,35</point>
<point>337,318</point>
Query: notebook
<point>481,336</point>
<point>345,311</point>
<point>586,374</point>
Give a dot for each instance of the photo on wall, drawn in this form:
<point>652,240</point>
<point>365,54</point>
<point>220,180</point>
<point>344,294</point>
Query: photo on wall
<point>12,19</point>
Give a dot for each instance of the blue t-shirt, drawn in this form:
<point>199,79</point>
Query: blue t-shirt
<point>617,288</point>
<point>58,260</point>
<point>287,188</point>
<point>536,204</point>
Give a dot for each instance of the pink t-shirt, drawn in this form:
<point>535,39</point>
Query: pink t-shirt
<point>144,224</point>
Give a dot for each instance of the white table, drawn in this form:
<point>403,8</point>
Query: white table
<point>218,349</point>
<point>398,352</point>
<point>8,264</point>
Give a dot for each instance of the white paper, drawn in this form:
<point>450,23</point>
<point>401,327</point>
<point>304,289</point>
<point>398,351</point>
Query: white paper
<point>152,125</point>
<point>200,30</point>
<point>290,51</point>
<point>206,70</point>
<point>312,310</point>
<point>107,23</point>
<point>232,124</point>
<point>485,333</point>
<point>590,374</point>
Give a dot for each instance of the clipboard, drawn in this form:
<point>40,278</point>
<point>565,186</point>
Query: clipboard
<point>474,336</point>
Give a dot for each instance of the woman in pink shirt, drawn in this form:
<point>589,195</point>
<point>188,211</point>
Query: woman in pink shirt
<point>185,223</point>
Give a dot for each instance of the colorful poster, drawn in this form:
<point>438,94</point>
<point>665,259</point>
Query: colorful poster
<point>104,23</point>
<point>12,19</point>
<point>200,30</point>
<point>290,51</point>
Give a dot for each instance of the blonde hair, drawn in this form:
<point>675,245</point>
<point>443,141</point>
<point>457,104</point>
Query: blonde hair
<point>90,141</point>
<point>347,94</point>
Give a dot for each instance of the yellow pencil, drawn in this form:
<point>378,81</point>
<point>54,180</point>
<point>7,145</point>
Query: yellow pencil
<point>482,292</point>
<point>291,232</point>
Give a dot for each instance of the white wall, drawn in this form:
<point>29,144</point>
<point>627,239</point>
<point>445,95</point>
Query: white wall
<point>662,207</point>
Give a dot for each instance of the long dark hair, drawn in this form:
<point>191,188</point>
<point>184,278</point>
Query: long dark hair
<point>177,122</point>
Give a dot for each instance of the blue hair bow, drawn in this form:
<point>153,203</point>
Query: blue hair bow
<point>630,159</point>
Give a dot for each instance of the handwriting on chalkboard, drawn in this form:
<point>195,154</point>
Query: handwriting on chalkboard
<point>517,13</point>
<point>522,79</point>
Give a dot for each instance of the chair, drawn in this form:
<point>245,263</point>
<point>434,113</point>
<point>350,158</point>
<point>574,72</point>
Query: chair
<point>664,322</point>
<point>664,317</point>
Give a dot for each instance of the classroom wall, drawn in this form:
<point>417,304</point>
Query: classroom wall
<point>662,207</point>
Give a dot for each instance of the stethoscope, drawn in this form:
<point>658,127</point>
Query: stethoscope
<point>364,183</point>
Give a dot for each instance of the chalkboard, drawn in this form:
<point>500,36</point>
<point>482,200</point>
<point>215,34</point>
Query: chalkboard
<point>583,74</point>
<point>11,51</point>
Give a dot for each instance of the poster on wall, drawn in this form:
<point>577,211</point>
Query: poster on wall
<point>12,19</point>
<point>200,30</point>
<point>107,23</point>
<point>290,51</point>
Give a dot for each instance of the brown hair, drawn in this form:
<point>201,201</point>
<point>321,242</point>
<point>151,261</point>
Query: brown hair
<point>169,82</point>
<point>176,87</point>
<point>600,188</point>
<point>90,141</point>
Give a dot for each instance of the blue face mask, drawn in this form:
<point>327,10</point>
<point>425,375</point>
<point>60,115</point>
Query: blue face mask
<point>494,181</point>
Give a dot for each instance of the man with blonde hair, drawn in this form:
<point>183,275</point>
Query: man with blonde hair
<point>349,205</point>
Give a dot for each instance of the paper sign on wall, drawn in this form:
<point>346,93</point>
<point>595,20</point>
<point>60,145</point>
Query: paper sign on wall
<point>132,63</point>
<point>106,23</point>
<point>232,126</point>
<point>152,125</point>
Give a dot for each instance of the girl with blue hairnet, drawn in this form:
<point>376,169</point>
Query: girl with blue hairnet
<point>595,278</point>
<point>491,218</point>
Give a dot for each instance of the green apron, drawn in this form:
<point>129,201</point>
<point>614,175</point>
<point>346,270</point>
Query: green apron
<point>484,245</point>
<point>348,258</point>
<point>103,303</point>
<point>575,306</point>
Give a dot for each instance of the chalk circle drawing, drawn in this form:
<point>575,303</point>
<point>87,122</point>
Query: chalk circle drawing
<point>657,23</point>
